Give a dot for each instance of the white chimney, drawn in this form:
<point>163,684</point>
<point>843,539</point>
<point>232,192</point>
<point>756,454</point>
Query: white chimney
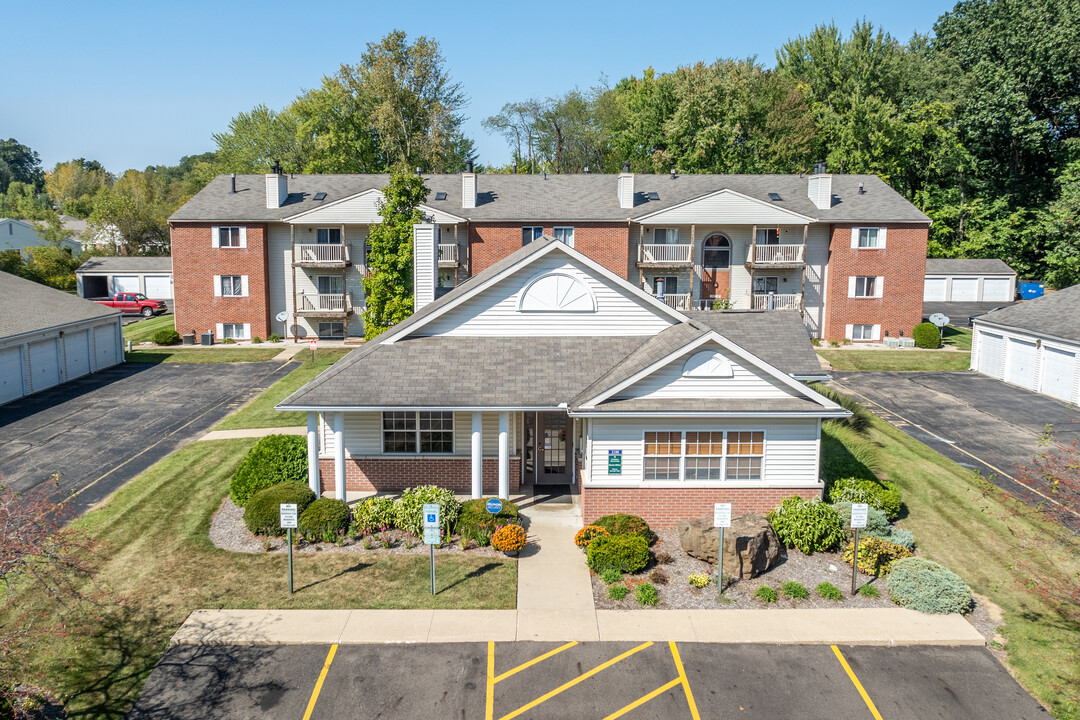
<point>468,186</point>
<point>425,263</point>
<point>626,187</point>
<point>277,189</point>
<point>819,189</point>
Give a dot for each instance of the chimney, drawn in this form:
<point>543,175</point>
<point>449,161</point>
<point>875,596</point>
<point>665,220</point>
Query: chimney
<point>626,187</point>
<point>425,263</point>
<point>819,188</point>
<point>277,188</point>
<point>468,186</point>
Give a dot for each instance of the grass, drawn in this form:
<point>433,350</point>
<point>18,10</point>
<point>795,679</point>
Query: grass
<point>969,530</point>
<point>201,355</point>
<point>159,563</point>
<point>143,331</point>
<point>960,338</point>
<point>884,360</point>
<point>260,412</point>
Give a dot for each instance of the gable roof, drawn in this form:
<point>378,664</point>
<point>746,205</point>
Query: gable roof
<point>975,266</point>
<point>27,306</point>
<point>766,212</point>
<point>1056,314</point>
<point>367,201</point>
<point>137,264</point>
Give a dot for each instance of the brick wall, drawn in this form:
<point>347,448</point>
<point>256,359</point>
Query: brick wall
<point>902,263</point>
<point>604,243</point>
<point>665,507</point>
<point>196,262</point>
<point>397,474</point>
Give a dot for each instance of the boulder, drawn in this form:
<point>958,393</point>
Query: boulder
<point>750,544</point>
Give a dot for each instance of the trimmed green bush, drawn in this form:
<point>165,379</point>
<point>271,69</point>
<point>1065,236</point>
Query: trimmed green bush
<point>828,591</point>
<point>325,520</point>
<point>610,576</point>
<point>620,524</point>
<point>810,525</point>
<point>263,513</point>
<point>625,553</point>
<point>765,594</point>
<point>409,508</point>
<point>274,337</point>
<point>375,513</point>
<point>618,592</point>
<point>794,590</point>
<point>876,556</point>
<point>474,518</point>
<point>926,586</point>
<point>877,526</point>
<point>927,335</point>
<point>880,494</point>
<point>256,340</point>
<point>166,337</point>
<point>274,459</point>
<point>646,594</point>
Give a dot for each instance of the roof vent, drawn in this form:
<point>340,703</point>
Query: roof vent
<point>862,188</point>
<point>320,196</point>
<point>775,197</point>
<point>653,196</point>
<point>672,173</point>
<point>233,190</point>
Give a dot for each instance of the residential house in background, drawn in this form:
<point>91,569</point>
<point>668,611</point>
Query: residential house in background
<point>103,276</point>
<point>21,234</point>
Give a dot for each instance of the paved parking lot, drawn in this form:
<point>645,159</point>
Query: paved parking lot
<point>501,681</point>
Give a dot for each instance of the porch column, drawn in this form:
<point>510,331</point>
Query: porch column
<point>504,455</point>
<point>313,453</point>
<point>477,456</point>
<point>339,456</point>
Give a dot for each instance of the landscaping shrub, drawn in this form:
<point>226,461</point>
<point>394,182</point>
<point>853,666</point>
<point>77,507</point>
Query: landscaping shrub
<point>794,590</point>
<point>375,513</point>
<point>474,518</point>
<point>272,460</point>
<point>273,337</point>
<point>263,513</point>
<point>256,340</point>
<point>698,580</point>
<point>662,558</point>
<point>646,594</point>
<point>880,494</point>
<point>926,586</point>
<point>876,556</point>
<point>828,591</point>
<point>325,520</point>
<point>509,538</point>
<point>870,591</point>
<point>410,507</point>
<point>610,576</point>
<point>166,337</point>
<point>926,335</point>
<point>620,524</point>
<point>587,534</point>
<point>626,553</point>
<point>765,594</point>
<point>810,525</point>
<point>860,417</point>
<point>618,592</point>
<point>658,577</point>
<point>228,341</point>
<point>877,525</point>
<point>846,453</point>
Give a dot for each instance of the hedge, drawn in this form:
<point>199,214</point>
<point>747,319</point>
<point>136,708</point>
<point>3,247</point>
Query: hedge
<point>375,513</point>
<point>325,520</point>
<point>880,494</point>
<point>263,513</point>
<point>274,459</point>
<point>410,507</point>
<point>475,519</point>
<point>166,336</point>
<point>927,335</point>
<point>625,553</point>
<point>810,525</point>
<point>620,524</point>
<point>926,586</point>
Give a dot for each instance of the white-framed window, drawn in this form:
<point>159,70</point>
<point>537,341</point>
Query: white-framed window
<point>663,455</point>
<point>865,286</point>
<point>864,332</point>
<point>328,236</point>
<point>768,236</point>
<point>331,330</point>
<point>745,453</point>
<point>230,286</point>
<point>665,236</point>
<point>408,431</point>
<point>229,236</point>
<point>766,284</point>
<point>703,455</point>
<point>330,284</point>
<point>671,284</point>
<point>530,233</point>
<point>564,235</point>
<point>234,331</point>
<point>868,238</point>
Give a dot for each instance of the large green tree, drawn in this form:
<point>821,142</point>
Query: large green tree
<point>257,139</point>
<point>18,163</point>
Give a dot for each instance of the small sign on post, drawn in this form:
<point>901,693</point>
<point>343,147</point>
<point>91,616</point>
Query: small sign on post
<point>859,514</point>
<point>614,462</point>
<point>287,520</point>
<point>721,520</point>
<point>432,535</point>
<point>494,506</point>
<point>314,342</point>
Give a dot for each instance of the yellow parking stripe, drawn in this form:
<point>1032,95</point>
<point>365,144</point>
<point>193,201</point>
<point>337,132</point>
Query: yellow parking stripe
<point>532,662</point>
<point>855,681</point>
<point>318,684</point>
<point>489,713</point>
<point>685,683</point>
<point>644,699</point>
<point>581,678</point>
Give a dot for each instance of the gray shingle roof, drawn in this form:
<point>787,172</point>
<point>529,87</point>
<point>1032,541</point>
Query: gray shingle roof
<point>778,337</point>
<point>1056,314</point>
<point>978,266</point>
<point>27,306</point>
<point>138,264</point>
<point>579,198</point>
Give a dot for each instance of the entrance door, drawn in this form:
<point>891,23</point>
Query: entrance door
<point>715,268</point>
<point>554,449</point>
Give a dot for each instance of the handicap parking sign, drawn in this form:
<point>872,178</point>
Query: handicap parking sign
<point>431,515</point>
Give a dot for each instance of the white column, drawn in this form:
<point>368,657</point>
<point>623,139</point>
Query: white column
<point>313,452</point>
<point>504,455</point>
<point>477,456</point>
<point>339,456</point>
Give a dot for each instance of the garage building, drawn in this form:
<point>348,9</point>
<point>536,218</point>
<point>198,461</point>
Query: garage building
<point>1035,344</point>
<point>969,281</point>
<point>105,276</point>
<point>48,337</point>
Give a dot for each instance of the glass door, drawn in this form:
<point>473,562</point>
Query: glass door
<point>555,449</point>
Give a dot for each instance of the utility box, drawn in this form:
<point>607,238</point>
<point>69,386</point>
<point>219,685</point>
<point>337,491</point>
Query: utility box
<point>1031,290</point>
<point>207,338</point>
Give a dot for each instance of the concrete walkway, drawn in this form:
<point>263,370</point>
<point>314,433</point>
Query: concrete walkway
<point>253,433</point>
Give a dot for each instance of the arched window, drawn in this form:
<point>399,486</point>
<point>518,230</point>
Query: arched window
<point>716,254</point>
<point>707,363</point>
<point>557,292</point>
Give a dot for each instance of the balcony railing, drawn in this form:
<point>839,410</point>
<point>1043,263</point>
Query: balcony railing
<point>773,301</point>
<point>665,254</point>
<point>777,254</point>
<point>448,254</point>
<point>321,254</point>
<point>678,301</point>
<point>324,303</point>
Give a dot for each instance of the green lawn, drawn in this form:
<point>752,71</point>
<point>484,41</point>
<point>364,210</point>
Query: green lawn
<point>882,360</point>
<point>201,355</point>
<point>159,564</point>
<point>260,412</point>
<point>143,331</point>
<point>959,338</point>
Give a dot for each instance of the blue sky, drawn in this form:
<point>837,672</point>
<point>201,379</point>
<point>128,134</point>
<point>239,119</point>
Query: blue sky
<point>133,84</point>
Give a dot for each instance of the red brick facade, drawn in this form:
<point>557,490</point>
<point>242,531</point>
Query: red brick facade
<point>195,263</point>
<point>397,474</point>
<point>665,507</point>
<point>605,243</point>
<point>902,264</point>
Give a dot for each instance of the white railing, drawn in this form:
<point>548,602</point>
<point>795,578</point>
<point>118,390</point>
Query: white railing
<point>661,254</point>
<point>321,253</point>
<point>774,302</point>
<point>324,302</point>
<point>768,254</point>
<point>678,301</point>
<point>448,254</point>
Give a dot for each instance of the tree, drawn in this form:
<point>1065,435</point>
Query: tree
<point>136,208</point>
<point>388,286</point>
<point>1061,223</point>
<point>73,186</point>
<point>256,140</point>
<point>22,201</point>
<point>18,163</point>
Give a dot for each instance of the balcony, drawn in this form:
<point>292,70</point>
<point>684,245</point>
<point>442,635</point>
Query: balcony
<point>776,255</point>
<point>678,301</point>
<point>324,305</point>
<point>772,301</point>
<point>322,255</point>
<point>448,255</point>
<point>665,255</point>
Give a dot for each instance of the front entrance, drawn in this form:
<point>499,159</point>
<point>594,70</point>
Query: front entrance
<point>549,448</point>
<point>715,269</point>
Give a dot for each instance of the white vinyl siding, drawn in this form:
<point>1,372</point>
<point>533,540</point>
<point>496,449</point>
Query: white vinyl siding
<point>724,208</point>
<point>363,434</point>
<point>668,382</point>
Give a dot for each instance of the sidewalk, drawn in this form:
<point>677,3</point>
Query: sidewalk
<point>252,433</point>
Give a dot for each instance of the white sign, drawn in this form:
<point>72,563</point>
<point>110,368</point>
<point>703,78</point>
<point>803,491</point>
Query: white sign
<point>432,536</point>
<point>288,515</point>
<point>722,515</point>
<point>431,515</point>
<point>859,511</point>
<point>314,342</point>
<point>939,319</point>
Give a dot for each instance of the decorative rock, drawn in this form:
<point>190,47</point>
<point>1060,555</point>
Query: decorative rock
<point>832,568</point>
<point>750,544</point>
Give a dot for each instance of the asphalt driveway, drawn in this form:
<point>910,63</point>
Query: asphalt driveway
<point>102,430</point>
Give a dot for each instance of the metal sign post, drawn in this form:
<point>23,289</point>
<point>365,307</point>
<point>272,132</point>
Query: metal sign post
<point>432,536</point>
<point>859,513</point>
<point>721,520</point>
<point>287,513</point>
<point>313,343</point>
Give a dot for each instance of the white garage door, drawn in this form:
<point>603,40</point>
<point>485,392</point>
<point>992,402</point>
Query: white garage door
<point>158,287</point>
<point>77,354</point>
<point>105,346</point>
<point>44,365</point>
<point>1020,358</point>
<point>934,289</point>
<point>992,355</point>
<point>126,284</point>
<point>997,289</point>
<point>11,374</point>
<point>965,289</point>
<point>1059,372</point>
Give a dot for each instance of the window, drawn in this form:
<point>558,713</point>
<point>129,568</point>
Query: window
<point>768,236</point>
<point>530,233</point>
<point>662,455</point>
<point>330,284</point>
<point>670,282</point>
<point>232,286</point>
<point>867,287</point>
<point>863,332</point>
<point>717,253</point>
<point>425,432</point>
<point>868,238</point>
<point>766,285</point>
<point>328,236</point>
<point>331,330</point>
<point>665,236</point>
<point>745,452</point>
<point>235,331</point>
<point>565,235</point>
<point>229,237</point>
<point>703,455</point>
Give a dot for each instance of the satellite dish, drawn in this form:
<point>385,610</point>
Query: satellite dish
<point>939,320</point>
<point>282,316</point>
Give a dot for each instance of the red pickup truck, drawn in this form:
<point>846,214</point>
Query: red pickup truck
<point>134,304</point>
